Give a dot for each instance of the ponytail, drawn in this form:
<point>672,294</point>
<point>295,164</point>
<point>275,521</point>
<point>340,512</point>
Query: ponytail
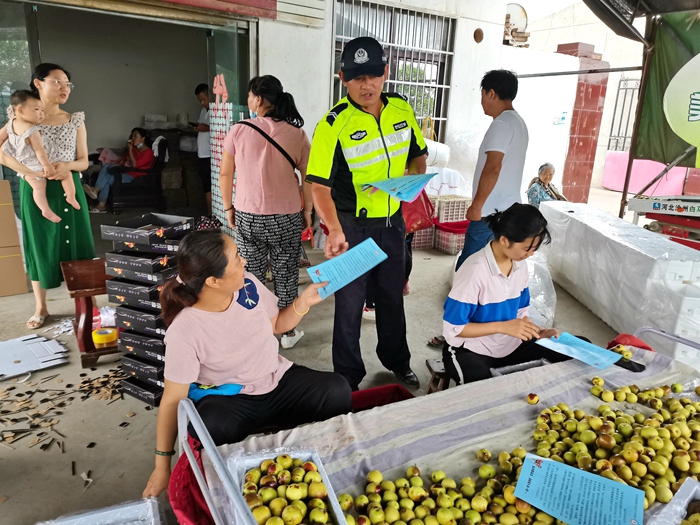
<point>519,223</point>
<point>200,255</point>
<point>283,107</point>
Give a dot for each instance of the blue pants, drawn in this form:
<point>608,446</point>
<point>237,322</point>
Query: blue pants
<point>478,235</point>
<point>105,181</point>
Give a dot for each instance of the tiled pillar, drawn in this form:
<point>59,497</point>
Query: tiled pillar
<point>585,121</point>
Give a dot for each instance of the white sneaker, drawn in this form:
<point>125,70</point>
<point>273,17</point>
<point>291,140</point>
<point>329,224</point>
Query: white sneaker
<point>368,314</point>
<point>288,341</point>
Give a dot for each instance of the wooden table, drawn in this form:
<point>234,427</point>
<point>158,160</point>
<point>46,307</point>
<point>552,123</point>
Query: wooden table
<point>84,280</point>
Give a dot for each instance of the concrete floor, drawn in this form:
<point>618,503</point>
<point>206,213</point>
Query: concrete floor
<point>39,484</point>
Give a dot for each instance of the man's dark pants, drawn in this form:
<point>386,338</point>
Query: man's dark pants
<point>388,278</point>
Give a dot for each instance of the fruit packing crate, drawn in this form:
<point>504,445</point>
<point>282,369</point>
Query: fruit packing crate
<point>448,242</point>
<point>452,208</point>
<point>238,465</point>
<point>423,239</point>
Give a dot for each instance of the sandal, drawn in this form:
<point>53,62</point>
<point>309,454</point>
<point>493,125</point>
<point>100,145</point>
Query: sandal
<point>437,342</point>
<point>37,320</point>
<point>94,209</point>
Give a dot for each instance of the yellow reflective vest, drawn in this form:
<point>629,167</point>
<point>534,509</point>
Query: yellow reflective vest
<point>350,149</point>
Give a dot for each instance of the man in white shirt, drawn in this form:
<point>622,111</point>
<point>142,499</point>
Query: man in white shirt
<point>203,149</point>
<point>499,169</point>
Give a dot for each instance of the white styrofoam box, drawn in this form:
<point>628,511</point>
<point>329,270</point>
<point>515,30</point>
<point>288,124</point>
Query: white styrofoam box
<point>141,512</point>
<point>673,512</point>
<point>239,464</point>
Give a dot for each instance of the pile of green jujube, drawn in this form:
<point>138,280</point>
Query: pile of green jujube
<point>490,498</point>
<point>286,491</point>
<point>654,453</point>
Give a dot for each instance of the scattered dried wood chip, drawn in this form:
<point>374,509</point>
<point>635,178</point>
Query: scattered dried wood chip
<point>17,361</point>
<point>72,468</point>
<point>59,381</point>
<point>49,378</point>
<point>3,499</point>
<point>149,407</point>
<point>46,446</point>
<point>124,424</point>
<point>130,414</point>
<point>91,444</point>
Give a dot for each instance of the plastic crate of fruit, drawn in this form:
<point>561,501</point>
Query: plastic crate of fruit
<point>423,239</point>
<point>314,491</point>
<point>452,208</point>
<point>449,242</point>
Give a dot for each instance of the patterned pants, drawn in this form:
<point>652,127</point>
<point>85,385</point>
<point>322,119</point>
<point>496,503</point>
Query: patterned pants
<point>279,238</point>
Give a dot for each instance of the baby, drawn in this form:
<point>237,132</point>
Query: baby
<point>22,140</point>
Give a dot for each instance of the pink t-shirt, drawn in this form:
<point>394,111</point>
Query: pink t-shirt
<point>265,181</point>
<point>233,346</point>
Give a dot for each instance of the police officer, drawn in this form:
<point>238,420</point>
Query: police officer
<point>368,136</point>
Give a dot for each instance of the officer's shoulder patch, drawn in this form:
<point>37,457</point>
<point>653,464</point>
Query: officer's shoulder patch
<point>396,95</point>
<point>333,113</point>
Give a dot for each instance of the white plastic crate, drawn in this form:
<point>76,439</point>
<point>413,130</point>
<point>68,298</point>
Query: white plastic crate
<point>448,242</point>
<point>239,463</point>
<point>423,239</point>
<point>452,208</point>
<point>140,512</point>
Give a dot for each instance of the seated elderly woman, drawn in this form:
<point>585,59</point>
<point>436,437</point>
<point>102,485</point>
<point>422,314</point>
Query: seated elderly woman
<point>541,187</point>
<point>138,155</point>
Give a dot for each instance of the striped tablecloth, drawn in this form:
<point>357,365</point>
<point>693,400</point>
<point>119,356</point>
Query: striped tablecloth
<point>444,430</point>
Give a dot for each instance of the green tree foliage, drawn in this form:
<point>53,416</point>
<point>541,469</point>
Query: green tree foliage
<point>421,98</point>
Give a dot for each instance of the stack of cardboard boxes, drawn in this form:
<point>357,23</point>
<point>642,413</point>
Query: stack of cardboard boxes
<point>143,259</point>
<point>14,280</point>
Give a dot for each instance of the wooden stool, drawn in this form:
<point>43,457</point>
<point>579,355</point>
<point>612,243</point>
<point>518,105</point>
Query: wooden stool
<point>439,380</point>
<point>84,280</point>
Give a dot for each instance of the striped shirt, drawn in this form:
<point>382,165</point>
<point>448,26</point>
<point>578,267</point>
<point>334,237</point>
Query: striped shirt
<point>481,293</point>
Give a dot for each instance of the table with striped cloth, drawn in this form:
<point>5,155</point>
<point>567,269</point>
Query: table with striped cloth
<point>444,430</point>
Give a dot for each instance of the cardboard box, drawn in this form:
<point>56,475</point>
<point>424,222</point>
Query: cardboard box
<point>151,373</point>
<point>148,229</point>
<point>140,321</point>
<point>8,224</point>
<point>148,348</point>
<point>145,304</point>
<point>140,262</point>
<point>13,280</point>
<point>148,291</point>
<point>144,277</point>
<point>149,394</point>
<point>169,247</point>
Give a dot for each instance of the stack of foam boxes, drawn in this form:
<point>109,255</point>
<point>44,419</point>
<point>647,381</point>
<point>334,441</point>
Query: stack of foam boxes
<point>626,275</point>
<point>144,258</point>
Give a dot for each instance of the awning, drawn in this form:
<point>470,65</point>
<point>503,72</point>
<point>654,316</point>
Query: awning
<point>618,15</point>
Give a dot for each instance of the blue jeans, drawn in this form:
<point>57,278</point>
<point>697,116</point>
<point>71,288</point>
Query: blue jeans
<point>478,235</point>
<point>105,181</point>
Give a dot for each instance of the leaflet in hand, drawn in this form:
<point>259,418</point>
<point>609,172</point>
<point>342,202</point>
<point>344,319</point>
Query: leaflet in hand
<point>579,349</point>
<point>347,267</point>
<point>577,497</point>
<point>406,188</point>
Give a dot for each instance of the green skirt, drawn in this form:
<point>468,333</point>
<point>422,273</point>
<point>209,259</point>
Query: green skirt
<point>48,243</point>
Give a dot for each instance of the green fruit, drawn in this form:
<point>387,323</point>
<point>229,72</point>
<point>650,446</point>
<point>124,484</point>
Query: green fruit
<point>483,455</point>
<point>508,519</point>
<point>319,516</point>
<point>376,515</point>
<point>261,515</point>
<point>374,476</point>
<point>663,494</point>
<point>391,515</point>
<point>487,472</point>
<point>345,502</point>
<point>479,504</point>
<point>291,515</point>
<point>276,520</point>
<point>349,518</point>
<point>277,505</point>
<point>437,476</point>
<point>253,500</point>
<point>445,517</point>
<point>301,506</point>
<point>421,512</point>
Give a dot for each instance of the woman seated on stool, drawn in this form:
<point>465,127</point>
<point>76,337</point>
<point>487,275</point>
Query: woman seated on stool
<point>485,323</point>
<point>222,351</point>
<point>138,155</point>
<point>541,188</point>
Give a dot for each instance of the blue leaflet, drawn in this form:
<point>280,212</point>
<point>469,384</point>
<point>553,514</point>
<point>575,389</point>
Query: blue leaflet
<point>578,497</point>
<point>574,347</point>
<point>406,188</point>
<point>347,267</point>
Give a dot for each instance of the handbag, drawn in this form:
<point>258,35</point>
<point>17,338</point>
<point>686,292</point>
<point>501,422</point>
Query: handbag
<point>419,214</point>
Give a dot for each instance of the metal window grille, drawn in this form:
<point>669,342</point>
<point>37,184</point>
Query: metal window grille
<point>420,49</point>
<point>623,115</point>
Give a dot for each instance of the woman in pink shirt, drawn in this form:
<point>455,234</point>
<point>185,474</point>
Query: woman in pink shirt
<point>269,211</point>
<point>221,352</point>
